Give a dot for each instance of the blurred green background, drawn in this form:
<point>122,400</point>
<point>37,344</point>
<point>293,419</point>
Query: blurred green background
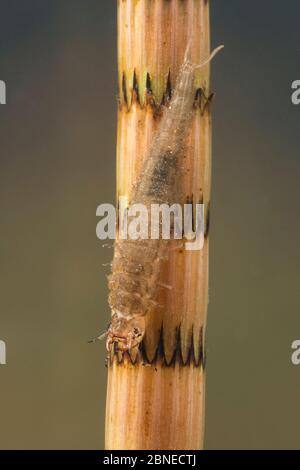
<point>57,163</point>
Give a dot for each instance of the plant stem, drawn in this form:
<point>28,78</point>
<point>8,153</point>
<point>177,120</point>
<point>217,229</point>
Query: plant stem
<point>155,398</point>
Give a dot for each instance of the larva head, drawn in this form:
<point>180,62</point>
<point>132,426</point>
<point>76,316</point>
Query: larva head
<point>127,332</point>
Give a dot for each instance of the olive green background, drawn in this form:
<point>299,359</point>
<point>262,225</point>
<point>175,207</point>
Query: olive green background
<point>57,163</point>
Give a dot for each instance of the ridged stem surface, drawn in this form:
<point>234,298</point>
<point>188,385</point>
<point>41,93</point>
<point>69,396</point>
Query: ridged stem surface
<point>155,398</point>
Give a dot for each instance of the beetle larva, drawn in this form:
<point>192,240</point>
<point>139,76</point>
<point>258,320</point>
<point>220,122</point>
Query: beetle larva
<point>136,264</point>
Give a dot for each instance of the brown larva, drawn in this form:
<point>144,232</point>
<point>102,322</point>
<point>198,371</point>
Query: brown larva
<point>136,264</point>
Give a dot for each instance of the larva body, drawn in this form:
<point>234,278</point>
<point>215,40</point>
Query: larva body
<point>136,265</point>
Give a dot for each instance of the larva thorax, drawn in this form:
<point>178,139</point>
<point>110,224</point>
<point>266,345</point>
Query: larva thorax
<point>132,285</point>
